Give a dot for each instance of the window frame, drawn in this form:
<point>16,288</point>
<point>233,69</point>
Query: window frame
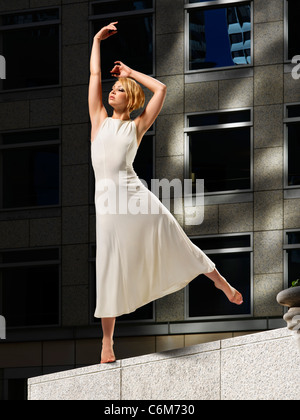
<point>32,144</point>
<point>286,248</point>
<point>32,25</point>
<point>289,189</point>
<point>230,196</point>
<point>214,5</point>
<point>39,263</point>
<point>224,251</point>
<point>112,16</point>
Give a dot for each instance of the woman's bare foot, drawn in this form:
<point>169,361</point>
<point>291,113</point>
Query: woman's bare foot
<point>107,354</point>
<point>232,294</point>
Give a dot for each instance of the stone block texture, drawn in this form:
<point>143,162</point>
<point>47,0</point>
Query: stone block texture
<point>251,367</point>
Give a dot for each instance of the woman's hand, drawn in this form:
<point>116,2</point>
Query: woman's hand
<point>121,70</point>
<point>107,31</point>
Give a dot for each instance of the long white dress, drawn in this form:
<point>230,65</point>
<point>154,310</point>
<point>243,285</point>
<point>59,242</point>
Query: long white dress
<point>141,254</point>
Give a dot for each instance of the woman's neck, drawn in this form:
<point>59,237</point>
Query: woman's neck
<point>124,116</point>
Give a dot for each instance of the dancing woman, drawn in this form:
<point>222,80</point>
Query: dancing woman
<point>141,255</point>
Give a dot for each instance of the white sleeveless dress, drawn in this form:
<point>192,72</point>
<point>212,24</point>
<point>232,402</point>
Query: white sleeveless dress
<point>141,254</point>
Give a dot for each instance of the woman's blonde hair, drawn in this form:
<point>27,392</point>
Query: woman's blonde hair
<point>135,94</point>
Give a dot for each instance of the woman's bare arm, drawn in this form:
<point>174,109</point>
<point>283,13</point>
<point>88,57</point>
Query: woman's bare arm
<point>153,108</point>
<point>96,109</point>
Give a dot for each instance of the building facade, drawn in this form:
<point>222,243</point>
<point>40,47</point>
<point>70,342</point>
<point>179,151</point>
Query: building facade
<point>231,117</point>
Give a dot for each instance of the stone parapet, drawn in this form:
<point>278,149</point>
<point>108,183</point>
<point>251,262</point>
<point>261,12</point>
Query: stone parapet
<point>257,367</point>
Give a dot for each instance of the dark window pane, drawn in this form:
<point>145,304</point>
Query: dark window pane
<point>30,296</point>
<point>198,42</point>
<point>30,136</point>
<point>121,6</point>
<point>293,154</point>
<point>93,251</point>
<point>222,158</point>
<point>32,16</point>
<point>143,163</point>
<point>30,176</point>
<point>293,28</point>
<point>137,54</point>
<point>28,255</point>
<point>293,238</point>
<point>32,57</point>
<point>293,265</point>
<point>206,300</point>
<point>220,37</point>
<point>215,118</point>
<point>293,111</point>
<point>222,242</point>
<point>17,389</point>
<point>143,313</point>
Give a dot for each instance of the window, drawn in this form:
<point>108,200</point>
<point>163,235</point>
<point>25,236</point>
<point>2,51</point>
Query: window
<point>30,287</point>
<point>30,44</point>
<point>134,17</point>
<point>292,146</point>
<point>292,34</point>
<point>144,313</point>
<point>219,34</point>
<point>29,168</point>
<point>233,255</point>
<point>219,150</point>
<point>13,388</point>
<point>292,257</point>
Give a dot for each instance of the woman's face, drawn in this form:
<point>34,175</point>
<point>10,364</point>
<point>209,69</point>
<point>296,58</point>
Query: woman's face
<point>117,97</point>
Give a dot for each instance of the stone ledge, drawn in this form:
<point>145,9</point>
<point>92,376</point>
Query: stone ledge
<point>259,366</point>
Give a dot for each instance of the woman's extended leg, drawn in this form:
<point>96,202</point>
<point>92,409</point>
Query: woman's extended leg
<point>232,294</point>
<point>108,326</point>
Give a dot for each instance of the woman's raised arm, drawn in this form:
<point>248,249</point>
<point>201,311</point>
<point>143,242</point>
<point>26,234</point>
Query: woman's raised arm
<point>153,108</point>
<point>96,109</point>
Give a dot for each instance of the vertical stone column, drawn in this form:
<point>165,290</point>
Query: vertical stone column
<point>291,298</point>
<point>292,317</point>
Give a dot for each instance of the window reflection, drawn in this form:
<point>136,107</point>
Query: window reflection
<point>219,37</point>
<point>32,16</point>
<point>239,30</point>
